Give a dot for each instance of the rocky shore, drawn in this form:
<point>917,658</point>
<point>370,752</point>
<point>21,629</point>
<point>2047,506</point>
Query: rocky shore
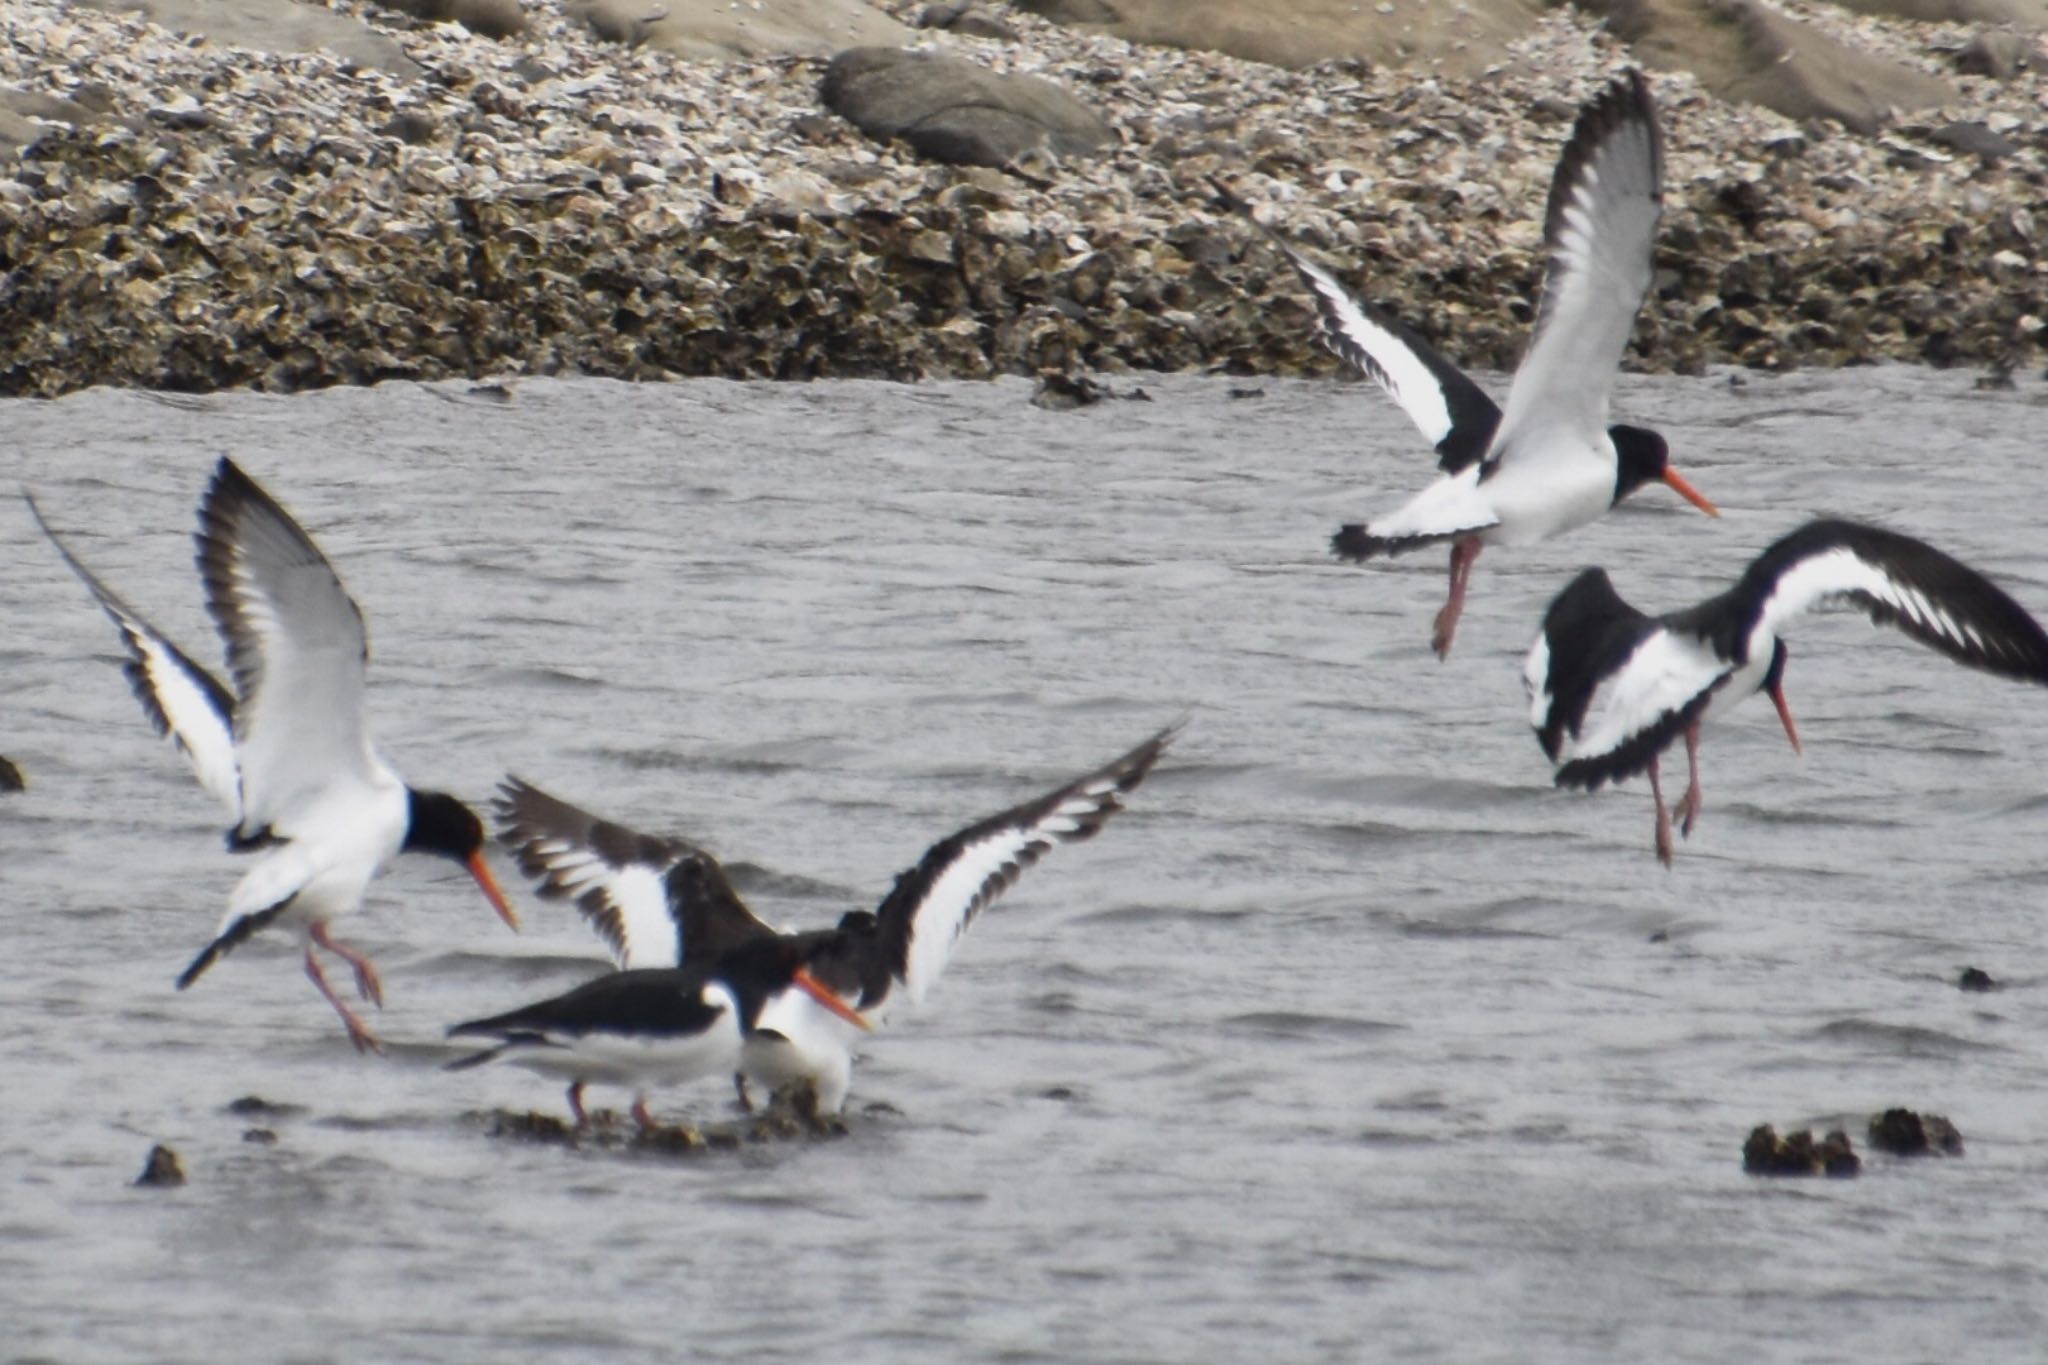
<point>184,213</point>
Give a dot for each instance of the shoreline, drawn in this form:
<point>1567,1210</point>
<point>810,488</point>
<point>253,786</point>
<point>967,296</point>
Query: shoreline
<point>553,205</point>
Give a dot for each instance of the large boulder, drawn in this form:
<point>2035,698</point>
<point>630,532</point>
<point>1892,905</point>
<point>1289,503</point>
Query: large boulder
<point>955,111</point>
<point>1457,39</point>
<point>272,26</point>
<point>721,29</point>
<point>1744,52</point>
<point>2022,13</point>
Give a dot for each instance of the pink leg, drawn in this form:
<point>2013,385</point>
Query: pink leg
<point>1663,818</point>
<point>1689,808</point>
<point>367,984</point>
<point>576,1105</point>
<point>641,1116</point>
<point>1463,553</point>
<point>358,1033</point>
<point>739,1085</point>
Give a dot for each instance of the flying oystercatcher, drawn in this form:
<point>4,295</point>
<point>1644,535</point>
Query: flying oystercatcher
<point>1551,462</point>
<point>1610,687</point>
<point>664,903</point>
<point>286,752</point>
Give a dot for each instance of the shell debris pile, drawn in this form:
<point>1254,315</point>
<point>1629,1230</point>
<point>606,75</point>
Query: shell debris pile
<point>549,203</point>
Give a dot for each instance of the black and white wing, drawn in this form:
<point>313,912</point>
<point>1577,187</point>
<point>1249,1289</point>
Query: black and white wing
<point>1609,687</point>
<point>1599,231</point>
<point>184,701</point>
<point>296,650</point>
<point>1453,414</point>
<point>655,902</point>
<point>933,903</point>
<point>1893,579</point>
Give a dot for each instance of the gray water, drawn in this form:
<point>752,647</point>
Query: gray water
<point>1353,1039</point>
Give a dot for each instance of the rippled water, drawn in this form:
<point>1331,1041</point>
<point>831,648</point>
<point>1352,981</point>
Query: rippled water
<point>1354,1039</point>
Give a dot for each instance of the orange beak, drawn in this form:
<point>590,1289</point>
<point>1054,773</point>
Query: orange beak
<point>1785,715</point>
<point>829,998</point>
<point>1689,493</point>
<point>479,870</point>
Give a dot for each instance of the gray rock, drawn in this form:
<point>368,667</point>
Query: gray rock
<point>1975,138</point>
<point>1998,53</point>
<point>968,20</point>
<point>955,111</point>
<point>717,30</point>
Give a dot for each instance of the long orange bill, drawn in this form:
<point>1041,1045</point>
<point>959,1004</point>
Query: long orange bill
<point>829,998</point>
<point>1689,493</point>
<point>479,870</point>
<point>1785,715</point>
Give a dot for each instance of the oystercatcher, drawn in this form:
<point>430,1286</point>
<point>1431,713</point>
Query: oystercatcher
<point>655,1025</point>
<point>665,902</point>
<point>286,752</point>
<point>1552,462</point>
<point>1610,687</point>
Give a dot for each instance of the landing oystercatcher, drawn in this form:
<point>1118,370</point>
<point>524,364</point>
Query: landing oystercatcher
<point>1610,687</point>
<point>655,1025</point>
<point>286,752</point>
<point>660,903</point>
<point>1551,462</point>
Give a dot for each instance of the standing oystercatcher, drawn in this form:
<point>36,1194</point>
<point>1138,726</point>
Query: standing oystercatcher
<point>1610,687</point>
<point>663,903</point>
<point>654,1025</point>
<point>1551,462</point>
<point>286,752</point>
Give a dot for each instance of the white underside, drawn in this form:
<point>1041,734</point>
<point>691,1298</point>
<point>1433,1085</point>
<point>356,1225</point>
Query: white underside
<point>638,1061</point>
<point>1529,498</point>
<point>796,1038</point>
<point>353,837</point>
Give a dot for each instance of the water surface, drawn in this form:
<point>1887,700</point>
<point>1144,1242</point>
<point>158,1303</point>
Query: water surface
<point>1353,1039</point>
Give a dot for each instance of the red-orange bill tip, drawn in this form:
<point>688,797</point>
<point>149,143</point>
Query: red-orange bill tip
<point>482,872</point>
<point>829,998</point>
<point>1688,492</point>
<point>1785,717</point>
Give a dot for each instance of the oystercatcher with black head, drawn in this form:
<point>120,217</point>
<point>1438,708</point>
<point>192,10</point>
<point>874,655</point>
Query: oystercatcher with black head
<point>1611,687</point>
<point>664,902</point>
<point>286,752</point>
<point>656,1025</point>
<point>1551,462</point>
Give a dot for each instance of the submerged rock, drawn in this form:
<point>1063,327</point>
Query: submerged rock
<point>1765,1153</point>
<point>1905,1133</point>
<point>1976,978</point>
<point>162,1168</point>
<point>11,779</point>
<point>790,1115</point>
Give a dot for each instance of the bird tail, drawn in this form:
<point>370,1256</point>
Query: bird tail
<point>491,1054</point>
<point>239,930</point>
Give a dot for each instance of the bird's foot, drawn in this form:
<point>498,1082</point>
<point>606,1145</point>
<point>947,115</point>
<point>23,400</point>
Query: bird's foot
<point>641,1116</point>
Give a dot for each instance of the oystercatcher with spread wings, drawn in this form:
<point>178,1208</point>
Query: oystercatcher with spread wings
<point>1610,687</point>
<point>286,753</point>
<point>1551,462</point>
<point>664,903</point>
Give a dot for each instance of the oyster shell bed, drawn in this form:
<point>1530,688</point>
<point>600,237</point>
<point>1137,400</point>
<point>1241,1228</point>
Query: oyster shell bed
<point>555,204</point>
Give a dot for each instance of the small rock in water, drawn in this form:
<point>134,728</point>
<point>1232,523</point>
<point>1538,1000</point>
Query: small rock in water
<point>256,1107</point>
<point>262,1137</point>
<point>11,779</point>
<point>1063,392</point>
<point>1905,1133</point>
<point>1765,1153</point>
<point>162,1168</point>
<point>1976,979</point>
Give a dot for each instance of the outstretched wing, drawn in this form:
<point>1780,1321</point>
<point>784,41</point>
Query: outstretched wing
<point>1893,579</point>
<point>1599,229</point>
<point>182,700</point>
<point>933,903</point>
<point>1610,687</point>
<point>295,646</point>
<point>656,902</point>
<point>1452,413</point>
